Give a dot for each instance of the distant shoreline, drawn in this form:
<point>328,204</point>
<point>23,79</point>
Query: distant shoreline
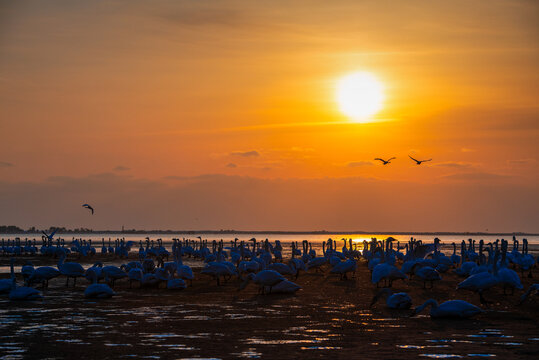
<point>273,232</point>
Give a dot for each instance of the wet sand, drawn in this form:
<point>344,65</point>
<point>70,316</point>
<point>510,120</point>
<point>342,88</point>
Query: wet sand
<point>328,318</point>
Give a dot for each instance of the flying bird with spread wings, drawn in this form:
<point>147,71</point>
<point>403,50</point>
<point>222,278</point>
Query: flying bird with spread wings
<point>88,207</point>
<point>51,236</point>
<point>418,162</point>
<point>385,162</point>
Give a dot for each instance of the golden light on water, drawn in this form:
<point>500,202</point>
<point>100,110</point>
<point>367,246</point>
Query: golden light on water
<point>359,96</point>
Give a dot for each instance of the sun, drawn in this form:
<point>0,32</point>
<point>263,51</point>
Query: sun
<point>360,95</point>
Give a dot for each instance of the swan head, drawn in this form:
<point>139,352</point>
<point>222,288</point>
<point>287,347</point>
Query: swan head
<point>430,302</point>
<point>382,293</point>
<point>246,281</point>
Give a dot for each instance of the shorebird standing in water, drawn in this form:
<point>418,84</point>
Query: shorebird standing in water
<point>385,162</point>
<point>418,161</point>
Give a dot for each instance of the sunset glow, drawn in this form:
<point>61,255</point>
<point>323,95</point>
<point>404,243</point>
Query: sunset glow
<point>260,101</point>
<point>360,95</point>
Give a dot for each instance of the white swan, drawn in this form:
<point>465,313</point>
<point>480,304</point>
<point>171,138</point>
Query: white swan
<point>387,272</point>
<point>22,292</point>
<point>427,273</point>
<point>285,287</point>
<point>345,267</point>
<point>452,308</point>
<point>95,290</point>
<point>507,277</point>
<point>265,278</point>
<point>184,271</point>
<point>481,281</point>
<point>216,270</point>
<point>282,269</point>
<point>399,300</point>
<point>70,270</point>
<point>175,284</point>
<point>43,274</point>
<point>113,273</point>
<point>135,274</point>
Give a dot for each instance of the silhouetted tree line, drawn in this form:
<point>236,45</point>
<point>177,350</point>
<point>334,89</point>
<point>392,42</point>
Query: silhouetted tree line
<point>12,229</point>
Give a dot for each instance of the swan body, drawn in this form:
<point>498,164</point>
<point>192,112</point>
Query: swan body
<point>43,274</point>
<point>466,268</point>
<point>70,269</point>
<point>285,287</point>
<point>399,300</point>
<point>426,273</point>
<point>282,269</point>
<point>450,309</point>
<point>344,268</point>
<point>385,271</point>
<point>509,278</point>
<point>265,278</point>
<point>95,290</point>
<point>316,263</point>
<point>479,283</point>
<point>22,292</point>
<point>176,284</point>
<point>135,274</point>
<point>113,273</point>
<point>216,270</point>
<point>5,286</point>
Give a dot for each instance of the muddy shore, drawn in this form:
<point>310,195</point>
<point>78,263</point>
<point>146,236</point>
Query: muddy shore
<point>328,318</point>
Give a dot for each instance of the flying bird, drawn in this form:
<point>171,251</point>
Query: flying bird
<point>418,161</point>
<point>89,208</point>
<point>50,237</point>
<point>385,162</point>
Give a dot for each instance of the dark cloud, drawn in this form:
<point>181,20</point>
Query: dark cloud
<point>454,164</point>
<point>121,168</point>
<point>359,163</point>
<point>251,153</point>
<point>5,164</point>
<point>231,165</point>
<point>521,161</point>
<point>475,176</point>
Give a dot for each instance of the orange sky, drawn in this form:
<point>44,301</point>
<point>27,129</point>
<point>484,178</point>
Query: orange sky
<point>95,96</point>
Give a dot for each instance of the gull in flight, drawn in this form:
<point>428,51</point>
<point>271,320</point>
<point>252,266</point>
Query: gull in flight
<point>385,162</point>
<point>89,208</point>
<point>418,161</point>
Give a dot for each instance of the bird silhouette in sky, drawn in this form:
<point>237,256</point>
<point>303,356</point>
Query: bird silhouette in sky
<point>89,208</point>
<point>418,161</point>
<point>385,162</point>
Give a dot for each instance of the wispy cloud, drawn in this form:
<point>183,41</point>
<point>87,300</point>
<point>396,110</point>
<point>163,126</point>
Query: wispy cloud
<point>250,153</point>
<point>231,165</point>
<point>454,164</point>
<point>521,161</point>
<point>359,163</point>
<point>121,168</point>
<point>475,176</point>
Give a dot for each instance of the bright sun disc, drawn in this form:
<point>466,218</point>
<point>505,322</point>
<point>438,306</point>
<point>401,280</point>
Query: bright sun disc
<point>360,95</point>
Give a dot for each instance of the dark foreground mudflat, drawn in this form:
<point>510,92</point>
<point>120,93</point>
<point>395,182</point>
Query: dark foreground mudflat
<point>329,318</point>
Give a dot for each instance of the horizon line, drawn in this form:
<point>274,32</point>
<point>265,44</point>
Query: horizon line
<point>292,232</point>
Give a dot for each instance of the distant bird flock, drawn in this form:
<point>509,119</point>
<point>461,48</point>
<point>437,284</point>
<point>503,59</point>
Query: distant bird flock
<point>388,161</point>
<point>481,266</point>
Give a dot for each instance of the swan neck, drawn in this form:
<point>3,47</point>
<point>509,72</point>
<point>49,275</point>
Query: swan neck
<point>430,302</point>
